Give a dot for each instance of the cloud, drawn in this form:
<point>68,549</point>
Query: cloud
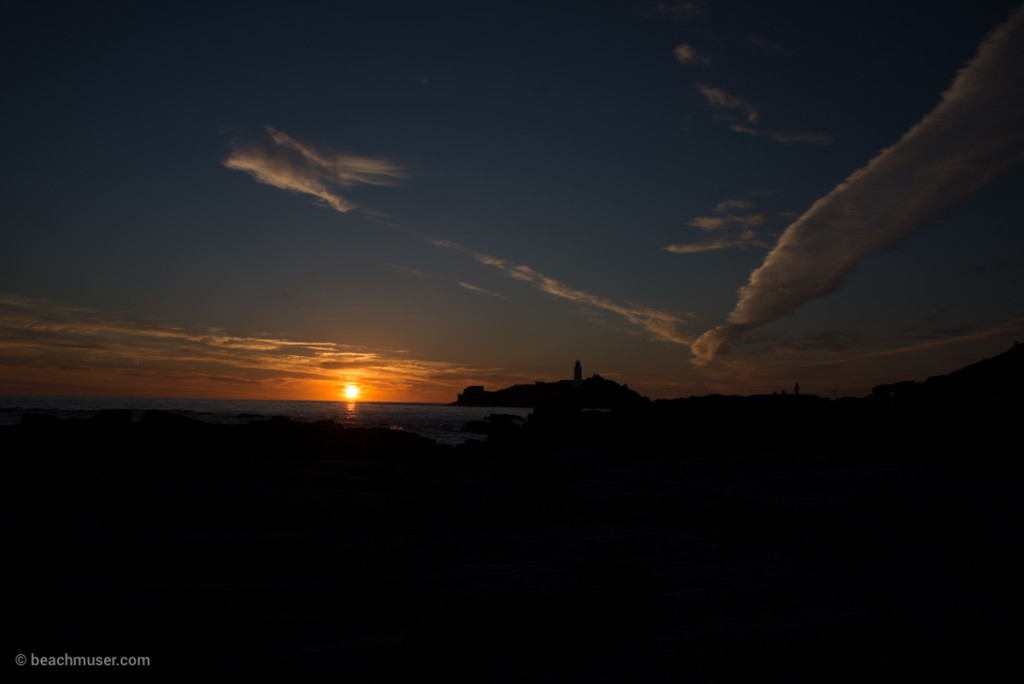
<point>971,137</point>
<point>728,205</point>
<point>32,329</point>
<point>687,54</point>
<point>745,220</point>
<point>941,338</point>
<point>480,290</point>
<point>663,326</point>
<point>716,97</point>
<point>43,345</point>
<point>783,137</point>
<point>279,160</point>
<point>829,341</point>
<point>768,45</point>
<point>475,289</point>
<point>741,225</point>
<point>719,98</point>
<point>741,239</point>
<point>679,10</point>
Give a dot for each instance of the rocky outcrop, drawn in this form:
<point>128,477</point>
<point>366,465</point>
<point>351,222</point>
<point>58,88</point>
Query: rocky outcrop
<point>594,392</point>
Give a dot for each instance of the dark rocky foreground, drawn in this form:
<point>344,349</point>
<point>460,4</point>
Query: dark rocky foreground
<point>702,540</point>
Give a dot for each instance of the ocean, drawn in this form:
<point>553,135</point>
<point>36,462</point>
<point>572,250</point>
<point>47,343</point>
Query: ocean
<point>439,422</point>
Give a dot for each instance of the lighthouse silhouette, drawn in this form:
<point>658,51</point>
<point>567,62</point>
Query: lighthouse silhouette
<point>577,374</point>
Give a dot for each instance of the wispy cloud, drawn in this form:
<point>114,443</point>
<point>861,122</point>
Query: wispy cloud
<point>660,324</point>
<point>475,289</point>
<point>749,115</point>
<point>716,97</point>
<point>971,137</point>
<point>741,239</point>
<point>937,339</point>
<point>745,220</point>
<point>729,205</point>
<point>679,10</point>
<point>42,344</point>
<point>784,137</point>
<point>279,160</point>
<point>722,99</point>
<point>686,54</point>
<point>768,45</point>
<point>739,228</point>
<point>479,290</point>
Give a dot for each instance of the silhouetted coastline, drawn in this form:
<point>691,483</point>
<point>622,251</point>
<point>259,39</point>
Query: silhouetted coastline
<point>592,392</point>
<point>712,538</point>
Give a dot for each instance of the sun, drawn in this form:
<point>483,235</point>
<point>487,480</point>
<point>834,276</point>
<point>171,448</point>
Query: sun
<point>351,392</point>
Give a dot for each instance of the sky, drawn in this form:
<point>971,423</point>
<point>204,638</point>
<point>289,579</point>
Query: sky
<point>691,197</point>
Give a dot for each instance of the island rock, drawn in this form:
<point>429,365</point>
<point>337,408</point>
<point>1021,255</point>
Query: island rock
<point>593,392</point>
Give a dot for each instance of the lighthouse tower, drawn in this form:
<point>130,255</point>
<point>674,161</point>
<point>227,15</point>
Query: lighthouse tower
<point>577,374</point>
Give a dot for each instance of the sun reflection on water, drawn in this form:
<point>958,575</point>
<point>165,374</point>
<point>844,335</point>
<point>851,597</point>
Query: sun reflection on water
<point>350,412</point>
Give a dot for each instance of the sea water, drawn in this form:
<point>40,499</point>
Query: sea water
<point>440,422</point>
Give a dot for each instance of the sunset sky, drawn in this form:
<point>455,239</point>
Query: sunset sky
<point>280,200</point>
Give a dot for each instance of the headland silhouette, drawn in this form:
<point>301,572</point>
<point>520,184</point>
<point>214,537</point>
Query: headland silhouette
<point>592,392</point>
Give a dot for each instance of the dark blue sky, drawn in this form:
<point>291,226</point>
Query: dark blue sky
<point>420,196</point>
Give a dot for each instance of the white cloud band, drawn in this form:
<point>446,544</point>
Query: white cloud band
<point>973,136</point>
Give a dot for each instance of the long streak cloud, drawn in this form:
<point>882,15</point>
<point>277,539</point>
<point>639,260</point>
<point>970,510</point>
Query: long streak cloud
<point>279,160</point>
<point>662,325</point>
<point>973,135</point>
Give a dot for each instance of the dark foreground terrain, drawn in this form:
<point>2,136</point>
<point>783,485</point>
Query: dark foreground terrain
<point>279,551</point>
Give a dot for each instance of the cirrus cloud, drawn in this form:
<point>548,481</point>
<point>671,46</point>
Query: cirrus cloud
<point>662,325</point>
<point>51,349</point>
<point>970,138</point>
<point>716,97</point>
<point>280,160</point>
<point>687,54</point>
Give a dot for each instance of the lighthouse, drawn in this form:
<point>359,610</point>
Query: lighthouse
<point>577,374</point>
